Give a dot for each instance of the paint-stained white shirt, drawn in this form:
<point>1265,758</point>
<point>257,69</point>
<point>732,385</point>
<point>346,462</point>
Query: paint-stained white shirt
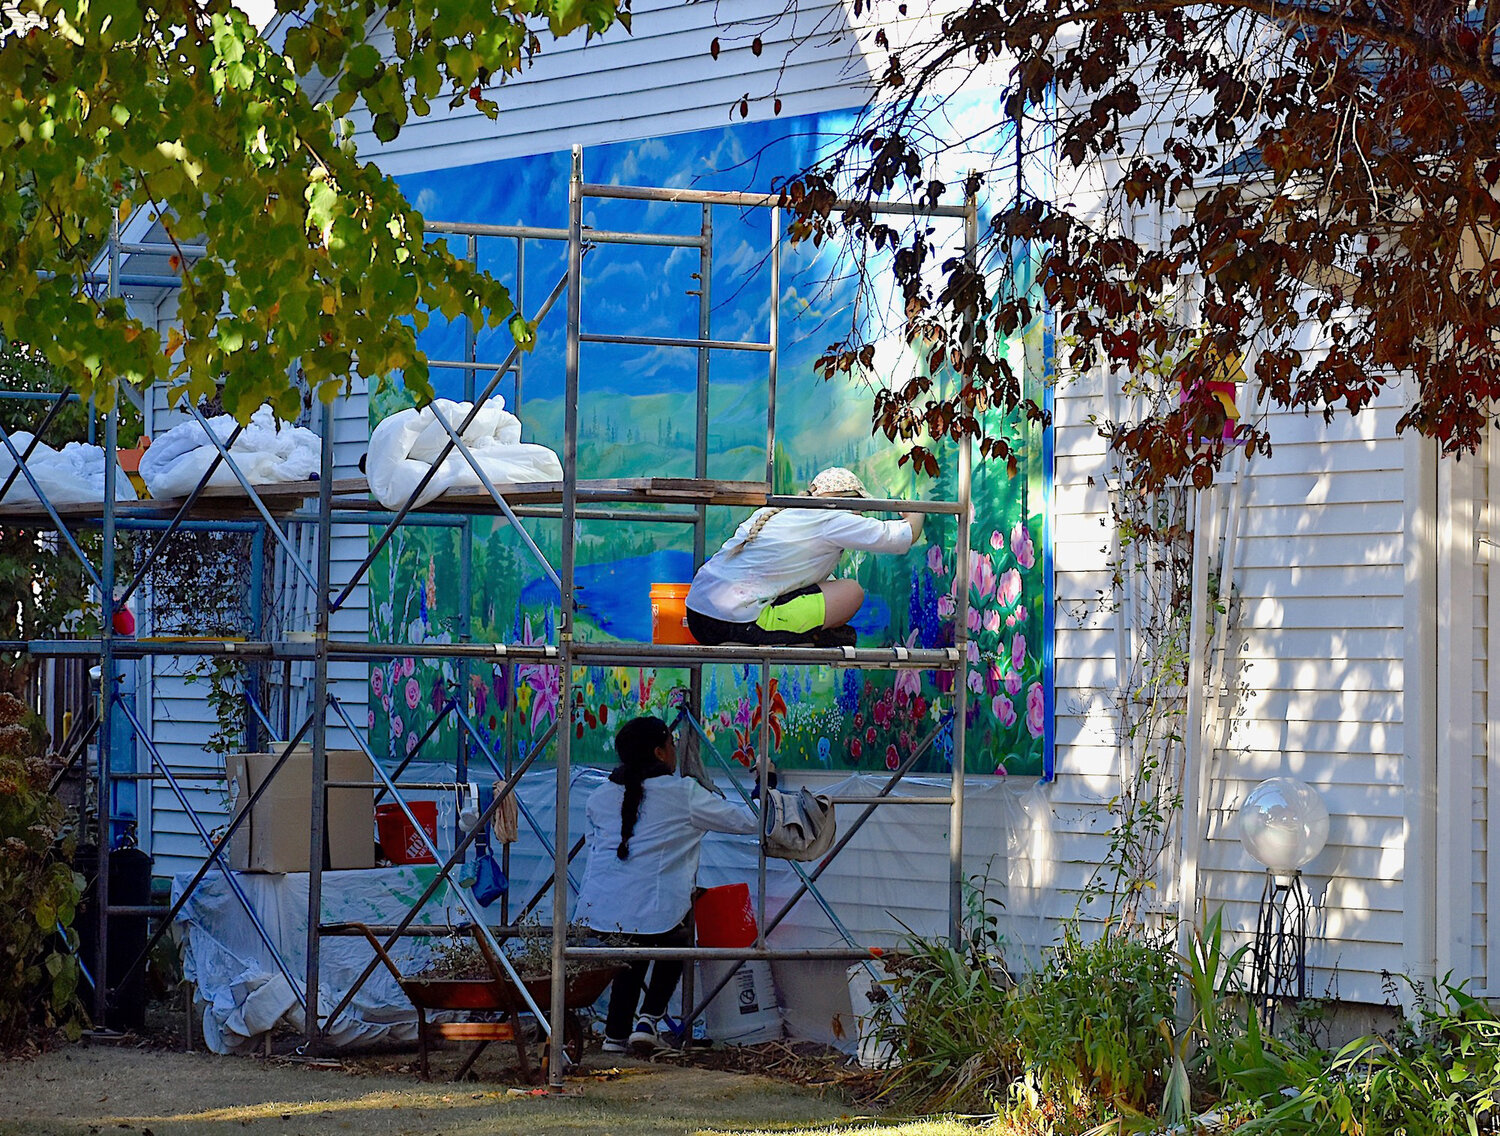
<point>796,548</point>
<point>651,891</point>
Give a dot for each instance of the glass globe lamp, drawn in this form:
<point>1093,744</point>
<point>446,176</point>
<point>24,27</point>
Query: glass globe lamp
<point>1283,824</point>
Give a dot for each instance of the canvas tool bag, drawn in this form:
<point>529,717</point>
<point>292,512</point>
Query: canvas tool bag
<point>799,825</point>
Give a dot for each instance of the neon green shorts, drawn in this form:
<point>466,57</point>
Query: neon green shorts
<point>797,615</point>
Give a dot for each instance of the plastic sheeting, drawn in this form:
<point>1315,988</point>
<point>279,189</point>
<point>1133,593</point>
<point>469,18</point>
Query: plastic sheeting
<point>242,993</point>
<point>267,453</point>
<point>404,446</point>
<point>73,475</point>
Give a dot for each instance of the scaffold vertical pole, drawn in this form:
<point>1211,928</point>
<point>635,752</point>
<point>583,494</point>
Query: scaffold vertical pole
<point>107,695</point>
<point>565,625</point>
<point>961,628</point>
<point>319,775</point>
<point>773,361</point>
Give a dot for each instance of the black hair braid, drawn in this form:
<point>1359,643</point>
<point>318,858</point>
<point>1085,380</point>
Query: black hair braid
<point>636,745</point>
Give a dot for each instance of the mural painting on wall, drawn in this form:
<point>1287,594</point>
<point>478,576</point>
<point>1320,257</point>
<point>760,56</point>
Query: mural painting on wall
<point>637,418</point>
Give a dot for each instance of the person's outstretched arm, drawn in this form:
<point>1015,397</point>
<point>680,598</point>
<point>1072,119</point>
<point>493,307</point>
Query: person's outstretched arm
<point>915,521</point>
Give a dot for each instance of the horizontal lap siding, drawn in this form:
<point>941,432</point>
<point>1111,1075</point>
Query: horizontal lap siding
<point>1315,676</point>
<point>181,719</point>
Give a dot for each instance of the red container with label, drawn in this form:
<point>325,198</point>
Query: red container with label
<point>399,840</point>
<point>724,917</point>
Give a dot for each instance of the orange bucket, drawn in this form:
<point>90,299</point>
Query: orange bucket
<point>669,614</point>
<point>724,916</point>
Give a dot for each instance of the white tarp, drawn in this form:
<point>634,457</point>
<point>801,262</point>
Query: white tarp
<point>241,991</point>
<point>404,446</point>
<point>267,453</point>
<point>73,475</point>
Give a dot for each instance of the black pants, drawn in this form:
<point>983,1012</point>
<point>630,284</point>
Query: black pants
<point>711,632</point>
<point>626,991</point>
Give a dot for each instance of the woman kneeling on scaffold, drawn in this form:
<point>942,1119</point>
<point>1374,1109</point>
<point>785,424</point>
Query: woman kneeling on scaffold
<point>770,584</point>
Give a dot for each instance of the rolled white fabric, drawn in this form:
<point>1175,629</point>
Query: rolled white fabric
<point>73,475</point>
<point>267,452</point>
<point>404,447</point>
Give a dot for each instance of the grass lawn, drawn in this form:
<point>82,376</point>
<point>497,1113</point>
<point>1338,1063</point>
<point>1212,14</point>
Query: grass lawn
<point>109,1091</point>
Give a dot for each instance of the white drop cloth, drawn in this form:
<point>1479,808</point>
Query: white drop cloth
<point>404,446</point>
<point>239,987</point>
<point>267,452</point>
<point>73,475</point>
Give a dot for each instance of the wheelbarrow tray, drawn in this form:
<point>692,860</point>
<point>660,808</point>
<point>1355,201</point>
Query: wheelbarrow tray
<point>582,990</point>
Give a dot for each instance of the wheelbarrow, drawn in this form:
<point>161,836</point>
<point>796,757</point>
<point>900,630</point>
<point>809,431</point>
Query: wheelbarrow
<point>495,994</point>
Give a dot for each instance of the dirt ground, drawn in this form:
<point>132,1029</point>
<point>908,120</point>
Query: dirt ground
<point>97,1089</point>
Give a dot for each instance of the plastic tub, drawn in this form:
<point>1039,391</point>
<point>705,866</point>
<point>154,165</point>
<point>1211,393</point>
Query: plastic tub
<point>724,916</point>
<point>398,840</point>
<point>669,614</point>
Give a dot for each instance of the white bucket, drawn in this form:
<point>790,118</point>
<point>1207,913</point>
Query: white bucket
<point>871,990</point>
<point>746,1010</point>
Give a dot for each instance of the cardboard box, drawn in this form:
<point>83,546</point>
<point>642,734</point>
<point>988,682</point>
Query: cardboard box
<point>274,838</point>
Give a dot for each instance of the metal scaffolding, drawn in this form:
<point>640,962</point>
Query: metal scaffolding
<point>275,511</point>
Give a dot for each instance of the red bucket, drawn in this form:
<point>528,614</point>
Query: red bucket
<point>724,917</point>
<point>398,839</point>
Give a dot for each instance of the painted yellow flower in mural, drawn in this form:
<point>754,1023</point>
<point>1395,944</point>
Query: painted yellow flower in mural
<point>622,676</point>
<point>523,698</point>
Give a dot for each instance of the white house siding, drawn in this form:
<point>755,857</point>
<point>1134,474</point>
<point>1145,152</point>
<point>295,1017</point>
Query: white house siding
<point>180,717</point>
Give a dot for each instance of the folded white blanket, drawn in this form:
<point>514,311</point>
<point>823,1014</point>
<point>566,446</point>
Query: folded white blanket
<point>267,453</point>
<point>73,475</point>
<point>404,446</point>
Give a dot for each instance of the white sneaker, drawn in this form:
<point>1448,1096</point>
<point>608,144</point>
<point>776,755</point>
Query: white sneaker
<point>612,1046</point>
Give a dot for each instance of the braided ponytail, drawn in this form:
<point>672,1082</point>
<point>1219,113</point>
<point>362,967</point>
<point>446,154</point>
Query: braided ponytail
<point>759,523</point>
<point>636,746</point>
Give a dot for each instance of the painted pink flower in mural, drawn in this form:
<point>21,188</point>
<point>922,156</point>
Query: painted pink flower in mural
<point>1018,650</point>
<point>973,619</point>
<point>855,749</point>
<point>411,742</point>
<point>997,542</point>
<point>1010,587</point>
<point>1005,710</point>
<point>992,620</point>
<point>1036,710</point>
<point>408,666</point>
<point>546,683</point>
<point>372,719</point>
<point>386,703</point>
<point>982,577</point>
<point>413,693</point>
<point>972,650</point>
<point>892,757</point>
<point>976,680</point>
<point>377,681</point>
<point>934,559</point>
<point>946,607</point>
<point>992,679</point>
<point>1013,683</point>
<point>870,736</point>
<point>1021,546</point>
<point>908,683</point>
<point>398,727</point>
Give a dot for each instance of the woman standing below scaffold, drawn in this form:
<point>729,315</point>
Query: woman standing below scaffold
<point>769,585</point>
<point>644,830</point>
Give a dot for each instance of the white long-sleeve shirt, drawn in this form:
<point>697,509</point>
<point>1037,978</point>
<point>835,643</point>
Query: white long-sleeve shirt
<point>651,891</point>
<point>796,548</point>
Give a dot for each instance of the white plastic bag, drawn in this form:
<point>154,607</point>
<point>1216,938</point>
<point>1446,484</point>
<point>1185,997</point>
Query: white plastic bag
<point>73,475</point>
<point>404,446</point>
<point>267,453</point>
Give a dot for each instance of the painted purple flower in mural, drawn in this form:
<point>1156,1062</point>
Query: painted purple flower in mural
<point>398,727</point>
<point>439,694</point>
<point>413,693</point>
<point>909,683</point>
<point>946,607</point>
<point>1021,546</point>
<point>1036,709</point>
<point>1010,587</point>
<point>377,681</point>
<point>997,542</point>
<point>982,577</point>
<point>976,680</point>
<point>481,694</point>
<point>972,619</point>
<point>1018,650</point>
<point>1013,683</point>
<point>500,687</point>
<point>411,743</point>
<point>934,559</point>
<point>992,679</point>
<point>992,620</point>
<point>1005,710</point>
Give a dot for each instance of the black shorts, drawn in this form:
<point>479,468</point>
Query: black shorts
<point>712,632</point>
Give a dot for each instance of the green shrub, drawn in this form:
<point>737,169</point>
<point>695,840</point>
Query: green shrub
<point>1092,1028</point>
<point>38,893</point>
